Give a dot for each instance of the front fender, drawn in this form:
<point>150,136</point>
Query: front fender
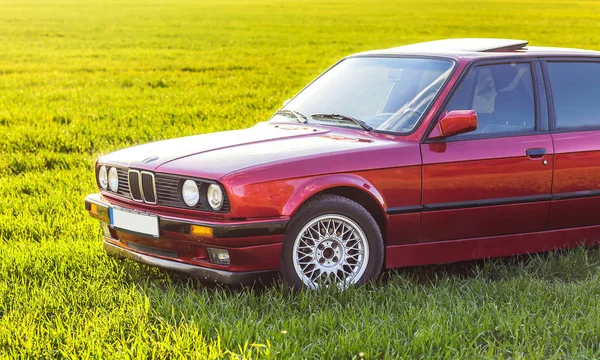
<point>283,197</point>
<point>311,186</point>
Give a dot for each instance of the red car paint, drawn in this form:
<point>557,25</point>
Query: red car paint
<point>437,200</point>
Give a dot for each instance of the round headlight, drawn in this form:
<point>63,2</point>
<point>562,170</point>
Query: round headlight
<point>190,193</point>
<point>113,179</point>
<point>215,196</point>
<point>103,177</point>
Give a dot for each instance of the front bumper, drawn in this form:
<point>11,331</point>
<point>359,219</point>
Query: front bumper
<point>202,273</point>
<point>254,247</point>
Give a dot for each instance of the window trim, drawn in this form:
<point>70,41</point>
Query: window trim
<point>466,72</point>
<point>550,93</point>
<point>542,124</point>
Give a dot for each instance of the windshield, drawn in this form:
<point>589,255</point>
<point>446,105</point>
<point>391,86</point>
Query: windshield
<point>387,94</point>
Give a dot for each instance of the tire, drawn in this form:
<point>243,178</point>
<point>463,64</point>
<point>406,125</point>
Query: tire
<point>323,243</point>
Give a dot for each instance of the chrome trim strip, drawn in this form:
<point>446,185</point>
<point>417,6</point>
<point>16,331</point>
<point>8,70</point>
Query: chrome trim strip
<point>153,187</point>
<point>141,187</point>
<point>576,195</point>
<point>139,181</point>
<point>214,275</point>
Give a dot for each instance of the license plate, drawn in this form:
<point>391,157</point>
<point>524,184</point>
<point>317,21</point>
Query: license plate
<point>134,222</point>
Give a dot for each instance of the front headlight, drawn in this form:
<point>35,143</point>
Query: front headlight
<point>103,177</point>
<point>113,179</point>
<point>190,193</point>
<point>215,196</point>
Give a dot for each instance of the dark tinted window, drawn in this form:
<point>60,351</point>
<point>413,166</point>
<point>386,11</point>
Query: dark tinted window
<point>502,95</point>
<point>576,92</point>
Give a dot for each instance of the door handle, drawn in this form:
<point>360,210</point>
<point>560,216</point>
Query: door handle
<point>536,153</point>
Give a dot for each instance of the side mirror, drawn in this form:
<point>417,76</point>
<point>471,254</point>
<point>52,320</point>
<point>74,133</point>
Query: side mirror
<point>455,122</point>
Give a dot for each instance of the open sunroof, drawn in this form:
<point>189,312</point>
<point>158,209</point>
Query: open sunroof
<point>475,45</point>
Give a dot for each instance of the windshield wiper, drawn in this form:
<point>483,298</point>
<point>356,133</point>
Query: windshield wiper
<point>291,113</point>
<point>338,117</point>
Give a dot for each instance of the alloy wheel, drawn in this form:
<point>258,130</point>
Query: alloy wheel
<point>330,250</point>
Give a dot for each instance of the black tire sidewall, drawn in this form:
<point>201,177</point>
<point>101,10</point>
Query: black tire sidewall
<point>332,205</point>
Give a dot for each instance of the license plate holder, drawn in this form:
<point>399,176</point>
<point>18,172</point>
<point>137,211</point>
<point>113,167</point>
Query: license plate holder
<point>134,222</point>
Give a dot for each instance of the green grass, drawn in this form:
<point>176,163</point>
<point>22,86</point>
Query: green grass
<point>85,77</point>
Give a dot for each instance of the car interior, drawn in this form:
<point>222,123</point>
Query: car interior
<point>502,95</point>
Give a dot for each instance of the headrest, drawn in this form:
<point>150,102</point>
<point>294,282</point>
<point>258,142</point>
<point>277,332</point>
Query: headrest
<point>503,76</point>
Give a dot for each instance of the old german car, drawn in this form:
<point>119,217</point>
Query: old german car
<point>429,153</point>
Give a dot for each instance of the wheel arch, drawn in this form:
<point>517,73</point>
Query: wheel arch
<point>352,187</point>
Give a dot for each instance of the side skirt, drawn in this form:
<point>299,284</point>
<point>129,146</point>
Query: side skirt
<point>489,247</point>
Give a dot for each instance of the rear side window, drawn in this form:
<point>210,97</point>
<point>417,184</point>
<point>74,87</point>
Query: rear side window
<point>576,92</point>
<point>502,95</point>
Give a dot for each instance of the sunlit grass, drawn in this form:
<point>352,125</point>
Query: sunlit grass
<point>85,77</point>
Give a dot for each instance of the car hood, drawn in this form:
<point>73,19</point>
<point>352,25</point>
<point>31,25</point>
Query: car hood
<point>153,155</point>
<point>215,155</point>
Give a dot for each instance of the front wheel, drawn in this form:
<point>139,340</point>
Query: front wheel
<point>331,241</point>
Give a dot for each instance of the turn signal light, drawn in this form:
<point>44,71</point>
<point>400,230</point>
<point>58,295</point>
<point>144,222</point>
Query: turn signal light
<point>98,211</point>
<point>203,231</point>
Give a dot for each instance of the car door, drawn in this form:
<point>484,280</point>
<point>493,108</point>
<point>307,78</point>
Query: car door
<point>497,179</point>
<point>575,115</point>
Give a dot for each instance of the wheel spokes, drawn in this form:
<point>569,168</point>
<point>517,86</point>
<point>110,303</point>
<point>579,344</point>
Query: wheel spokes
<point>330,250</point>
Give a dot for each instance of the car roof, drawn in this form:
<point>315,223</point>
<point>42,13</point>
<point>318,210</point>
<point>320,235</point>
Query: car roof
<point>479,48</point>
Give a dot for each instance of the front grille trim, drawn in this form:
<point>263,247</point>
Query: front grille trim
<point>148,194</point>
<point>135,187</point>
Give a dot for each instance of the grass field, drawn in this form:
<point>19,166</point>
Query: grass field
<point>82,78</point>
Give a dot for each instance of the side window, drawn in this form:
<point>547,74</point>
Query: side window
<point>576,92</point>
<point>503,97</point>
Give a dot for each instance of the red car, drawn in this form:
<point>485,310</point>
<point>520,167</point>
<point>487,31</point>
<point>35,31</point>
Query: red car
<point>430,153</point>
